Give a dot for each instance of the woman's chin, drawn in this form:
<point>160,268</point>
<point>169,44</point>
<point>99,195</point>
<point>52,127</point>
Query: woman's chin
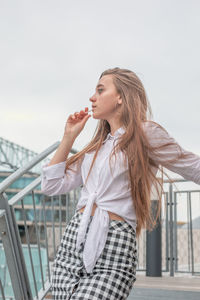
<point>95,116</point>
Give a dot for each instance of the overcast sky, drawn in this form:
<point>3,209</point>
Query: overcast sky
<point>53,52</point>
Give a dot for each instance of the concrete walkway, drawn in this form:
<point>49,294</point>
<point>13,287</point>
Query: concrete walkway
<point>156,294</point>
<point>165,288</point>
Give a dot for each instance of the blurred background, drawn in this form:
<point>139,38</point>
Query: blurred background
<point>53,52</point>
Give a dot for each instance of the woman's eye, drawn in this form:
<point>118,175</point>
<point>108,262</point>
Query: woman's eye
<point>99,90</point>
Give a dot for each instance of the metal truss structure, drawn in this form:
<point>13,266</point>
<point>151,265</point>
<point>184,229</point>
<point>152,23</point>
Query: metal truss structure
<point>14,156</point>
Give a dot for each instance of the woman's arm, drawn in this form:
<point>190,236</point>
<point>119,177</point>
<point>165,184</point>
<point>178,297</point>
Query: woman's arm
<point>63,149</point>
<point>54,179</point>
<point>168,154</point>
<point>56,182</point>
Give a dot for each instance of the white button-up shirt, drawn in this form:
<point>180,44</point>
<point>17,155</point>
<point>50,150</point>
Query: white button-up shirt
<point>110,190</point>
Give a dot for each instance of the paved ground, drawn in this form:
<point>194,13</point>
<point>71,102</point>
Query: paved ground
<point>179,283</point>
<point>156,294</point>
<point>165,288</point>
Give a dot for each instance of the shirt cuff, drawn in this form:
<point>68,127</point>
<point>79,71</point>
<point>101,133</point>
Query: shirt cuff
<point>54,171</point>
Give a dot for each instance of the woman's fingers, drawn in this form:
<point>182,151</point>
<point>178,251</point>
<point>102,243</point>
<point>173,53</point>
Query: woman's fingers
<point>79,115</point>
<point>82,113</point>
<point>76,114</point>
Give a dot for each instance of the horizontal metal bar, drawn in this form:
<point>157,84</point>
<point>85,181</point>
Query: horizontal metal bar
<point>188,191</point>
<point>17,174</point>
<point>173,180</point>
<point>188,272</point>
<point>15,191</point>
<point>29,206</point>
<point>25,191</point>
<point>48,224</point>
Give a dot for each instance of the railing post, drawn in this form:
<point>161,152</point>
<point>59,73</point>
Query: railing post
<point>175,234</point>
<point>191,232</point>
<point>154,241</point>
<point>13,251</point>
<point>171,232</point>
<point>167,232</point>
<point>154,247</point>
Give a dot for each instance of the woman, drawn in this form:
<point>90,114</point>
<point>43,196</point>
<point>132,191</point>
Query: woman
<point>97,256</point>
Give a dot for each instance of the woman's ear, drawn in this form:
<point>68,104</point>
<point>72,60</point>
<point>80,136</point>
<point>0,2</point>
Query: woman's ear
<point>120,101</point>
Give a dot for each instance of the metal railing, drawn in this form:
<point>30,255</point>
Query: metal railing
<point>180,240</point>
<point>30,246</point>
<point>12,239</point>
<point>13,156</point>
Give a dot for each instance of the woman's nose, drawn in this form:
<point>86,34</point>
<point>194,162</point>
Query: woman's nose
<point>92,99</point>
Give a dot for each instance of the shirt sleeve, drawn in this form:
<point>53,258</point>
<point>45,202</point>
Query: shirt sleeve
<point>56,182</point>
<point>169,153</point>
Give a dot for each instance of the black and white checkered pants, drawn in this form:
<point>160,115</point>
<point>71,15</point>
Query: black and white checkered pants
<point>115,270</point>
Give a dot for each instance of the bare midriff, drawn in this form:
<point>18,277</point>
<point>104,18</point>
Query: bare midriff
<point>111,215</point>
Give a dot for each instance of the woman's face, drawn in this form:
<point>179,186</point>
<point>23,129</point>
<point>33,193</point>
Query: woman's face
<point>105,99</point>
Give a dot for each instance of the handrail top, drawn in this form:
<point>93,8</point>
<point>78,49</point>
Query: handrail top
<point>21,171</point>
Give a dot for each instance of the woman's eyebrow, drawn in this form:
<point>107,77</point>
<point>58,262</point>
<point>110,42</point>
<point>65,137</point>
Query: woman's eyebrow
<point>99,85</point>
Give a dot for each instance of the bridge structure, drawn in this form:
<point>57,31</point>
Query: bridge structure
<point>14,156</point>
<point>32,224</point>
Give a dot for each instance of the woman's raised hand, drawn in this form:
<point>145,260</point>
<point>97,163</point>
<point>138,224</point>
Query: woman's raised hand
<point>76,122</point>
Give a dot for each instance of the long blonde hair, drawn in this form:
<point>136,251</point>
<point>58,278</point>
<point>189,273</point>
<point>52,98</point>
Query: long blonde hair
<point>133,143</point>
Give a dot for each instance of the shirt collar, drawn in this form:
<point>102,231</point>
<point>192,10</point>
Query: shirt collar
<point>117,133</point>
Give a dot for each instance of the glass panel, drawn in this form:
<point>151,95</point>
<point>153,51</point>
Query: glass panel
<point>5,276</point>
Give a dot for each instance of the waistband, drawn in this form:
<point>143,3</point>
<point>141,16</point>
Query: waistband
<point>112,215</point>
<point>114,224</point>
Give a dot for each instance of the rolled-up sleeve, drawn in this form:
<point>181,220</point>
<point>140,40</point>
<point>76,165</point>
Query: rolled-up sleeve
<point>171,155</point>
<point>56,182</point>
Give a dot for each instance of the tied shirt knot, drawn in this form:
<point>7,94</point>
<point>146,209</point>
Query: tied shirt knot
<point>97,233</point>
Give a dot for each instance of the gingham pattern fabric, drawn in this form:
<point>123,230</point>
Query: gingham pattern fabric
<point>114,272</point>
